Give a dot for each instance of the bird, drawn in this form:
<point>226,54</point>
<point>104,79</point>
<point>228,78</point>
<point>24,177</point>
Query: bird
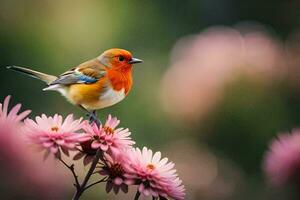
<point>95,84</point>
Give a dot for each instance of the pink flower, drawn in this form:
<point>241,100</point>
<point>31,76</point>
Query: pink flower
<point>11,116</point>
<point>155,176</point>
<point>107,137</point>
<point>23,173</point>
<point>282,161</point>
<point>52,133</point>
<point>114,170</point>
<point>204,64</point>
<point>10,124</point>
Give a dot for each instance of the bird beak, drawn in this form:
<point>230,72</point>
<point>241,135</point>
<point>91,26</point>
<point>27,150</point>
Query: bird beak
<point>134,61</point>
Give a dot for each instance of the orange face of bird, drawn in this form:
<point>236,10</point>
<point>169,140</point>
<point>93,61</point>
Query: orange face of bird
<point>118,59</point>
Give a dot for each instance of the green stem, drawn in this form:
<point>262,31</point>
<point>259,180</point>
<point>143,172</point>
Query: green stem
<point>92,184</point>
<point>71,168</point>
<point>82,187</point>
<point>137,195</point>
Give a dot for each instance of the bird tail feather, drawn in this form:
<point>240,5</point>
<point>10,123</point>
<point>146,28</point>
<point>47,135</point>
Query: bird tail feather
<point>35,74</point>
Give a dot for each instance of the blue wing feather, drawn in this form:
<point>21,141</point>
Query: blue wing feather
<point>74,77</point>
<point>87,73</point>
<point>86,79</point>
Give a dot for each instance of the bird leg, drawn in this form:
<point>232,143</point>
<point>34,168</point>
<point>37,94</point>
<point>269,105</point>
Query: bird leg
<point>92,115</point>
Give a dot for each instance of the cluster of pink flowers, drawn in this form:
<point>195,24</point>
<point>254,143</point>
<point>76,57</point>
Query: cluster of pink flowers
<point>120,164</point>
<point>153,175</point>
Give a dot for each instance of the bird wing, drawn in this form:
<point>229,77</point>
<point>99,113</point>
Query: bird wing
<point>89,72</point>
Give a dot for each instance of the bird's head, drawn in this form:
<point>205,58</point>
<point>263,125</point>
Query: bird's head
<point>118,59</point>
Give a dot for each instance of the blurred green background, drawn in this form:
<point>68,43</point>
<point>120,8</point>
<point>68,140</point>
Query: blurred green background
<point>52,36</point>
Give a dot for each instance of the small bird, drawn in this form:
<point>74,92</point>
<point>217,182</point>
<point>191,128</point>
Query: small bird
<point>94,84</point>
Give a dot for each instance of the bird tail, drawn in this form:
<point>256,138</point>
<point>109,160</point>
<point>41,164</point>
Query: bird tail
<point>35,74</point>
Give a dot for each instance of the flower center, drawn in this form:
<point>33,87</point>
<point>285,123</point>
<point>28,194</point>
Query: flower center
<point>116,170</point>
<point>54,128</point>
<point>96,137</point>
<point>86,147</point>
<point>150,167</point>
<point>108,130</point>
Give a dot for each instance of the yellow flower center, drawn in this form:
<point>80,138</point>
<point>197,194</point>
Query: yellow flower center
<point>108,130</point>
<point>150,167</point>
<point>54,128</point>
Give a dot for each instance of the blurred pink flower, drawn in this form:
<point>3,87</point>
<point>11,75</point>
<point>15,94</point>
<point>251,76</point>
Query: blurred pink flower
<point>282,161</point>
<point>52,133</point>
<point>203,65</point>
<point>10,124</point>
<point>12,115</point>
<point>155,176</point>
<point>107,137</point>
<point>113,168</point>
<point>22,172</point>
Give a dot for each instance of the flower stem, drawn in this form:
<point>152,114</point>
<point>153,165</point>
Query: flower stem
<point>82,187</point>
<point>72,169</point>
<point>137,195</point>
<point>92,184</point>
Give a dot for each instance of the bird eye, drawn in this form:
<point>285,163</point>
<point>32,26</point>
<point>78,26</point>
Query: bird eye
<point>121,58</point>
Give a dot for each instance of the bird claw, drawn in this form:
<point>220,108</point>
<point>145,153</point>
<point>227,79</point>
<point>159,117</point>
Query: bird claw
<point>93,118</point>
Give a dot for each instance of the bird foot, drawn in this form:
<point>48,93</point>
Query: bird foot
<point>93,118</point>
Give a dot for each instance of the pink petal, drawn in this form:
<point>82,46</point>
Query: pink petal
<point>146,192</point>
<point>156,157</point>
<point>14,111</point>
<point>48,144</point>
<point>141,188</point>
<point>5,105</point>
<point>60,142</point>
<point>118,181</point>
<point>22,115</point>
<point>154,193</point>
<point>95,145</point>
<point>104,147</point>
<point>129,182</point>
<point>54,149</point>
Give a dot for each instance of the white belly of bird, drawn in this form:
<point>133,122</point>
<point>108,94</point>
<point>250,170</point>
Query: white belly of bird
<point>110,97</point>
